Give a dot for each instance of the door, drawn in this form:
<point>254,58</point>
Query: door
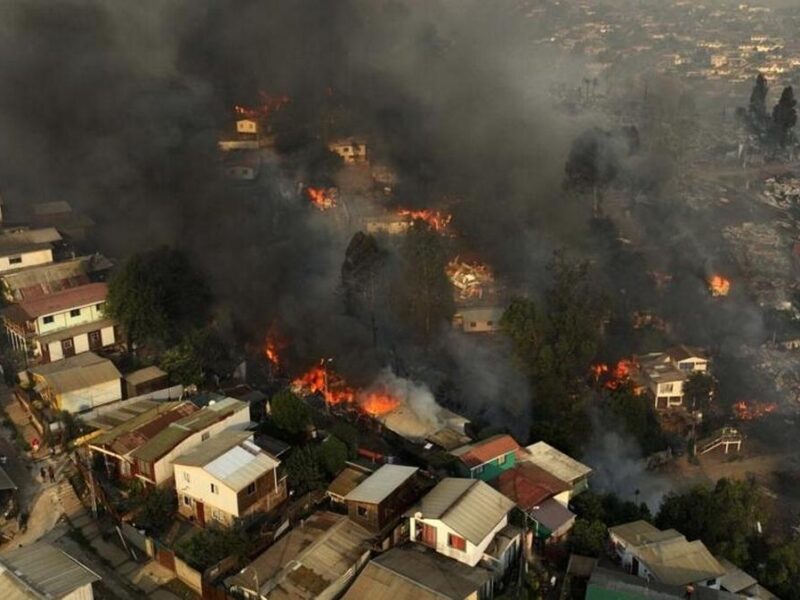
<point>95,340</point>
<point>200,511</point>
<point>68,347</point>
<point>635,566</point>
<point>428,535</point>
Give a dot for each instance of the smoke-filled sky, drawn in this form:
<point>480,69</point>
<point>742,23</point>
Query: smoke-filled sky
<point>116,107</point>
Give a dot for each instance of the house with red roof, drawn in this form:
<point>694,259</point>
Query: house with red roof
<point>541,497</point>
<point>487,459</point>
<point>59,325</point>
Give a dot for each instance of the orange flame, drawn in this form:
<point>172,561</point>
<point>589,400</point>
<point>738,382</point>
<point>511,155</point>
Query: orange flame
<point>469,278</point>
<point>616,377</point>
<point>268,105</point>
<point>321,198</point>
<point>436,220</point>
<point>749,411</point>
<point>719,285</point>
<point>378,403</point>
<point>321,380</point>
<point>271,352</point>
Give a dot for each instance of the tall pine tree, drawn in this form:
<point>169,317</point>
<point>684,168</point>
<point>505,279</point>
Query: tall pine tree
<point>784,116</point>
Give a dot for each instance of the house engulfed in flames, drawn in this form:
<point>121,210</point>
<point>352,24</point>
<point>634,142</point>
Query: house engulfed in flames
<point>472,280</point>
<point>719,286</point>
<point>662,375</point>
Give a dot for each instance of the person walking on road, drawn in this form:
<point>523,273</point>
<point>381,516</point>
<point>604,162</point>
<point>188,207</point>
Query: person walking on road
<point>51,473</point>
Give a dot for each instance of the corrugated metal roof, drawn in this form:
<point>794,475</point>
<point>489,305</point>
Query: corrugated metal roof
<point>231,458</point>
<point>552,514</point>
<point>528,485</point>
<point>412,572</point>
<point>77,372</point>
<point>134,432</point>
<point>735,580</point>
<point>178,431</point>
<point>469,507</point>
<point>85,295</point>
<point>381,484</point>
<point>308,559</point>
<point>48,570</point>
<point>483,451</point>
<point>19,240</point>
<point>346,481</point>
<point>144,375</point>
<point>668,555</point>
<point>556,462</point>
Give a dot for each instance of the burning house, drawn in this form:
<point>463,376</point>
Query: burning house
<point>353,151</point>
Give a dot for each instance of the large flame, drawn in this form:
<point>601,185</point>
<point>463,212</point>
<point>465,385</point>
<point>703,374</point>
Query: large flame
<point>749,411</point>
<point>616,377</point>
<point>719,285</point>
<point>436,220</point>
<point>378,403</point>
<point>321,198</point>
<point>321,379</point>
<point>469,278</point>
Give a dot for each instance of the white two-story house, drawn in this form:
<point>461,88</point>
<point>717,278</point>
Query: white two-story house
<point>55,326</point>
<point>664,374</point>
<point>226,478</point>
<point>465,519</point>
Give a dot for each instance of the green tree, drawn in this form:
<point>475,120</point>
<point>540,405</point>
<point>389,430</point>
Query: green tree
<point>333,455</point>
<point>156,296</point>
<point>348,434</point>
<point>639,420</point>
<point>209,546</point>
<point>784,116</point>
<point>423,296</point>
<point>723,517</point>
<point>782,570</point>
<point>290,414</point>
<point>757,109</point>
<point>698,390</point>
<point>588,537</point>
<point>554,344</point>
<point>608,508</point>
<point>304,470</point>
<point>199,351</point>
<point>156,509</point>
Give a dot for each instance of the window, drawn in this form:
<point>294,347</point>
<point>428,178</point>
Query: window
<point>502,459</point>
<point>15,260</point>
<point>205,436</point>
<point>66,344</point>
<point>251,489</point>
<point>489,323</point>
<point>456,542</point>
<point>94,338</point>
<point>667,387</point>
<point>361,511</point>
<point>186,476</point>
<point>48,319</point>
<point>100,306</point>
<point>478,470</point>
<point>75,312</point>
<point>217,515</point>
<point>187,500</point>
<point>214,488</point>
<point>686,366</point>
<point>473,324</point>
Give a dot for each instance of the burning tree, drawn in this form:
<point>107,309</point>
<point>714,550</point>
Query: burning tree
<point>268,104</point>
<point>719,286</point>
<point>436,220</point>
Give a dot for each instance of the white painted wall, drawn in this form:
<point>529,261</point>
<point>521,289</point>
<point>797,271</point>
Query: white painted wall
<point>89,313</point>
<point>56,352</point>
<point>82,593</point>
<point>195,482</point>
<point>473,553</point>
<point>91,397</point>
<point>29,259</point>
<point>81,343</point>
<point>164,470</point>
<point>107,336</point>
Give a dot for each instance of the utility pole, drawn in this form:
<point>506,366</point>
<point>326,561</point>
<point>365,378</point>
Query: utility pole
<point>91,483</point>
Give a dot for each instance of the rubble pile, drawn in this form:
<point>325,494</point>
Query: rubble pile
<point>781,193</point>
<point>471,280</point>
